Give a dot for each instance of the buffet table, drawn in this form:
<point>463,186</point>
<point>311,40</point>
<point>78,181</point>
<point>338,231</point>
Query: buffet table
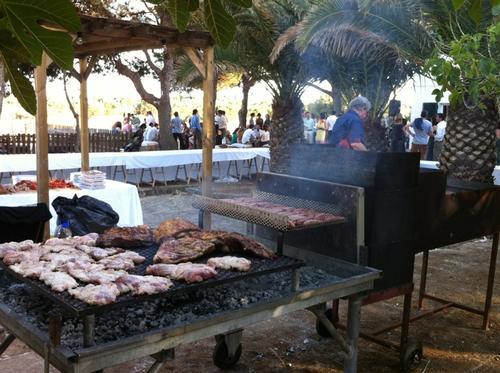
<point>122,197</point>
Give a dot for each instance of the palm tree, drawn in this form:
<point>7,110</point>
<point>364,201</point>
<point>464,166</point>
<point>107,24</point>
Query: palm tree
<point>469,146</point>
<point>365,48</point>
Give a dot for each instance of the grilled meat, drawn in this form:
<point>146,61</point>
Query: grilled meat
<point>143,285</point>
<point>187,272</point>
<point>32,269</point>
<point>58,281</point>
<point>180,250</point>
<point>99,253</point>
<point>81,270</point>
<point>173,227</point>
<point>131,255</point>
<point>116,262</point>
<point>230,262</point>
<point>126,237</point>
<point>96,294</point>
<point>88,239</point>
<point>32,255</point>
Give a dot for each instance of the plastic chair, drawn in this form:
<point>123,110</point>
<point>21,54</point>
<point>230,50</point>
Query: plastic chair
<point>23,222</point>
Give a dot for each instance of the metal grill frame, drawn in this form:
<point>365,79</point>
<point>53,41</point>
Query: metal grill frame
<point>77,308</point>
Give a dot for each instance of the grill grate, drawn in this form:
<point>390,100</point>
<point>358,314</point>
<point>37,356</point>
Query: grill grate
<point>78,308</point>
<point>263,217</point>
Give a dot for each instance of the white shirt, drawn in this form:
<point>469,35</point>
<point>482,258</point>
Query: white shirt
<point>223,122</point>
<point>440,131</point>
<point>245,139</point>
<point>150,119</point>
<point>331,121</point>
<point>151,134</point>
<point>265,136</point>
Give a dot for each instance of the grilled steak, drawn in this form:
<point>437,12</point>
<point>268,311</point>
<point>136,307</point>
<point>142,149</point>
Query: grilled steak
<point>230,262</point>
<point>126,237</point>
<point>173,227</point>
<point>142,285</point>
<point>58,281</point>
<point>180,250</point>
<point>188,272</point>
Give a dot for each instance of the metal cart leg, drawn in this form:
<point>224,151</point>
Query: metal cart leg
<point>55,328</point>
<point>228,349</point>
<point>7,342</point>
<point>160,359</point>
<point>89,330</point>
<point>353,326</point>
<point>280,242</point>
<point>423,278</point>
<point>491,281</point>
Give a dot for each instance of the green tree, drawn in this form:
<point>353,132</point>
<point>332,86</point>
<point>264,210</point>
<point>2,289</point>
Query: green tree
<point>24,37</point>
<point>362,48</point>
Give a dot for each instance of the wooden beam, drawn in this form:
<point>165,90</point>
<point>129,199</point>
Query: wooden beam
<point>208,127</point>
<point>84,117</point>
<point>42,135</point>
<point>197,60</point>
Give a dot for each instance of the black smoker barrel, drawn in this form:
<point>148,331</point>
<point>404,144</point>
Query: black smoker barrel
<point>390,181</point>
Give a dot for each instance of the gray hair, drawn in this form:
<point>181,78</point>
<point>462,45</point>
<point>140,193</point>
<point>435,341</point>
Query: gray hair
<point>360,103</point>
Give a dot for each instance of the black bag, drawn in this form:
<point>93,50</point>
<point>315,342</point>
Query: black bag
<point>23,222</point>
<point>85,214</point>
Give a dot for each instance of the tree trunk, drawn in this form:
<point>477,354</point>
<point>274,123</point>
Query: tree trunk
<point>2,86</point>
<point>73,111</point>
<point>167,141</point>
<point>287,130</point>
<point>469,145</point>
<point>375,135</point>
<point>247,83</point>
<point>337,99</point>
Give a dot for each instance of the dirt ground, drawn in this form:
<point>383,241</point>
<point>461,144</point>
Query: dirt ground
<point>453,340</point>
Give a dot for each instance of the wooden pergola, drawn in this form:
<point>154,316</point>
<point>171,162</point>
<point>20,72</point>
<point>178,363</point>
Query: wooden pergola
<point>109,36</point>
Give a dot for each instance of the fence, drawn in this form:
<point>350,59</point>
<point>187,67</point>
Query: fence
<point>63,143</point>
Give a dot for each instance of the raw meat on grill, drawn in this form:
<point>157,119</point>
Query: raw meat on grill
<point>99,253</point>
<point>143,285</point>
<point>116,262</point>
<point>32,255</point>
<point>58,281</point>
<point>172,251</point>
<point>173,227</point>
<point>32,269</point>
<point>126,237</point>
<point>65,256</point>
<point>297,217</point>
<point>81,270</point>
<point>187,272</point>
<point>230,262</point>
<point>15,246</point>
<point>105,276</point>
<point>96,294</point>
<point>131,255</point>
<point>88,239</point>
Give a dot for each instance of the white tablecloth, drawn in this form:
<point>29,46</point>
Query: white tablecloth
<point>131,160</point>
<point>122,197</point>
<point>435,165</point>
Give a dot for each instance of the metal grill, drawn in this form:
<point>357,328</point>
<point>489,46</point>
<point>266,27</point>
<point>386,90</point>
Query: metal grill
<point>260,216</point>
<point>78,308</point>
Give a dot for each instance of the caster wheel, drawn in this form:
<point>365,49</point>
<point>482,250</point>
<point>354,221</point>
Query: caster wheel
<point>411,355</point>
<point>320,328</point>
<point>221,356</point>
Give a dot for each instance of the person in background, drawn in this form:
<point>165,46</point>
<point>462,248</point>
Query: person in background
<point>195,126</point>
<point>217,119</point>
<point>150,118</point>
<point>116,129</point>
<point>265,136</point>
<point>440,129</point>
<point>248,137</point>
<point>252,119</point>
<point>227,139</point>
<point>397,134</point>
<point>422,130</point>
<point>151,134</point>
<point>176,123</point>
<point>135,121</point>
<point>259,121</point>
<point>127,126</point>
<point>348,132</point>
<point>308,127</point>
<point>321,128</point>
<point>268,121</point>
<point>184,138</point>
<point>332,118</point>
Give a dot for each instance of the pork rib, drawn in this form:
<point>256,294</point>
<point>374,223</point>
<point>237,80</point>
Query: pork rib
<point>230,262</point>
<point>173,227</point>
<point>187,272</point>
<point>172,251</point>
<point>126,237</point>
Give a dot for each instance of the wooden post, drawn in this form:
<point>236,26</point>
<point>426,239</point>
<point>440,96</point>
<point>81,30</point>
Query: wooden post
<point>208,127</point>
<point>84,116</point>
<point>42,135</point>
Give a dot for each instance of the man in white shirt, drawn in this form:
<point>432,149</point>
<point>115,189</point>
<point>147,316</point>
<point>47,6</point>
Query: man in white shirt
<point>309,125</point>
<point>150,119</point>
<point>440,129</point>
<point>330,121</point>
<point>246,139</point>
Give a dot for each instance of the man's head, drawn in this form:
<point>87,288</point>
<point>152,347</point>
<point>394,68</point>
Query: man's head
<point>149,113</point>
<point>440,117</point>
<point>252,115</point>
<point>361,105</point>
<point>251,126</point>
<point>307,114</point>
<point>334,112</point>
<point>195,111</point>
<point>176,114</point>
<point>258,115</point>
<point>424,114</point>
